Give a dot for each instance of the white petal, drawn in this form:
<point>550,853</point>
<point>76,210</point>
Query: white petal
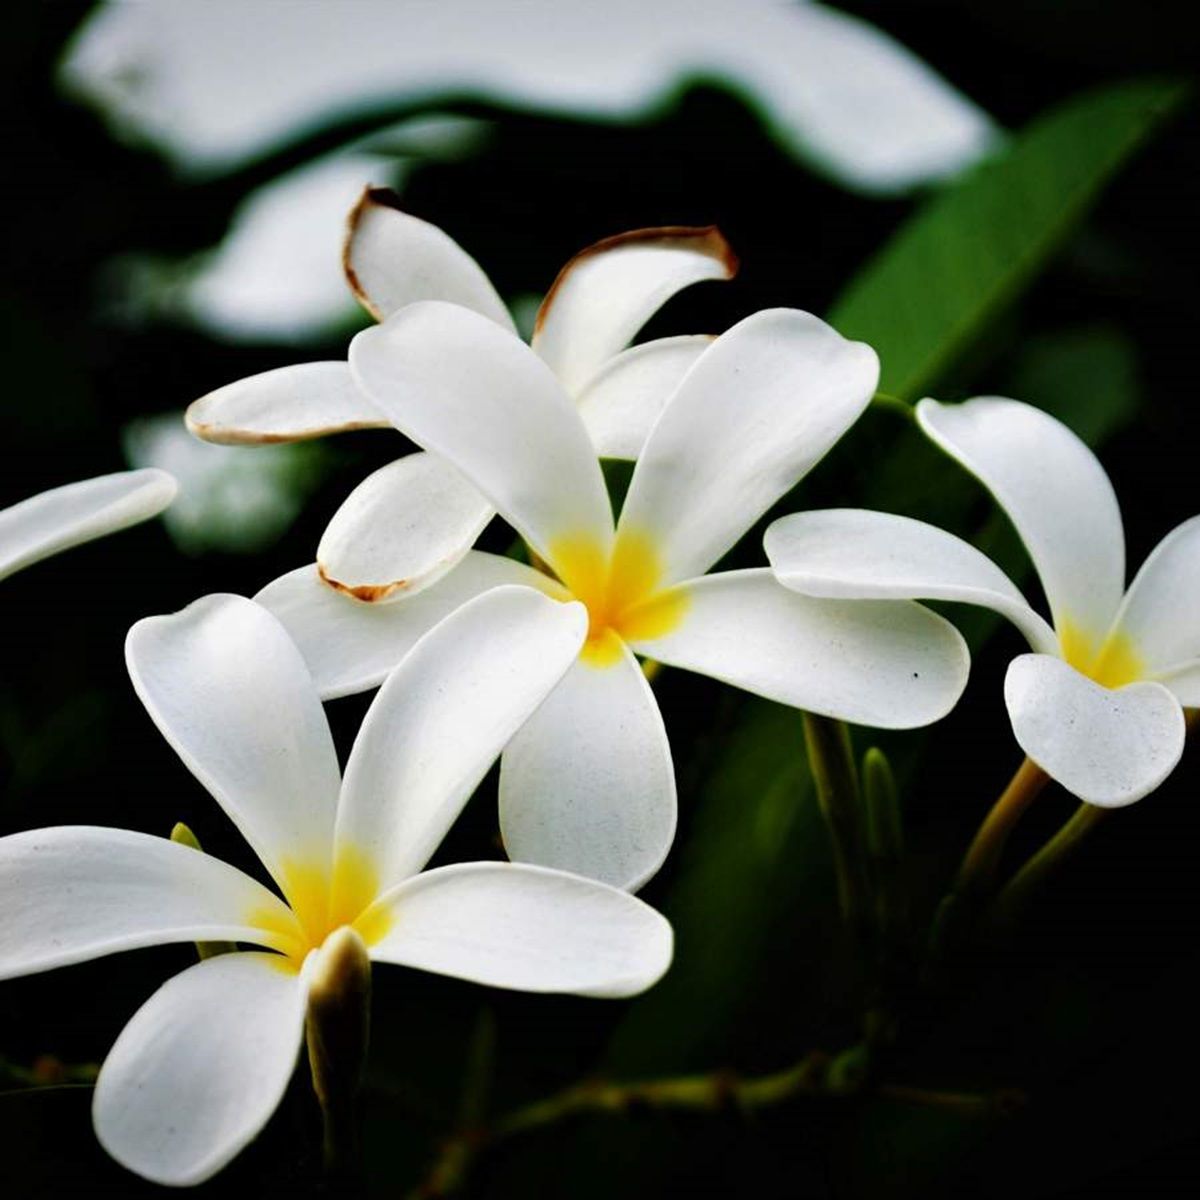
<point>1108,747</point>
<point>760,407</point>
<point>535,930</point>
<point>201,1067</point>
<point>588,784</point>
<point>66,516</point>
<point>349,646</point>
<point>1183,681</point>
<point>393,258</point>
<point>1057,496</point>
<point>478,397</point>
<point>229,690</point>
<point>887,663</point>
<point>78,892</point>
<point>1159,613</point>
<point>442,718</point>
<point>607,292</point>
<point>401,529</point>
<point>853,554</point>
<point>625,398</point>
<point>288,404</point>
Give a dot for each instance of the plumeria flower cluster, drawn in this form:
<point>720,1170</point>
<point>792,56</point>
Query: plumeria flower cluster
<point>67,516</point>
<point>203,1064</point>
<point>413,520</point>
<point>1098,703</point>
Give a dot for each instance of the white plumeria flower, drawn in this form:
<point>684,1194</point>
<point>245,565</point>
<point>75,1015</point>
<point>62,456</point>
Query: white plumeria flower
<point>67,516</point>
<point>588,784</point>
<point>200,1068</point>
<point>412,521</point>
<point>1098,704</point>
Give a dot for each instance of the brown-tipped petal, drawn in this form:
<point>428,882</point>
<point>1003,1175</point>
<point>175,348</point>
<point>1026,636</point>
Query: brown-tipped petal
<point>289,404</point>
<point>607,292</point>
<point>401,529</point>
<point>392,258</point>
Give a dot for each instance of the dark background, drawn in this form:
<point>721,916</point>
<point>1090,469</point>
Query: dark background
<point>1090,1010</point>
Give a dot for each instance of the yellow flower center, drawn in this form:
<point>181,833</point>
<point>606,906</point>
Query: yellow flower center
<point>1113,665</point>
<point>322,901</point>
<point>622,591</point>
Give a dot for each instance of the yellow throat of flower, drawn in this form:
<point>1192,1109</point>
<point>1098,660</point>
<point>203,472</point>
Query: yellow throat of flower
<point>1113,665</point>
<point>322,901</point>
<point>622,591</point>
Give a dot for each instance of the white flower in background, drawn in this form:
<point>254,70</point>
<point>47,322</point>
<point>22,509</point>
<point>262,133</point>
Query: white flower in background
<point>66,516</point>
<point>410,522</point>
<point>588,784</point>
<point>227,501</point>
<point>203,1064</point>
<point>1098,704</point>
<point>190,77</point>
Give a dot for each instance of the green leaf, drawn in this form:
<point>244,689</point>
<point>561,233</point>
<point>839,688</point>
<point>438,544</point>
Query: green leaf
<point>926,297</point>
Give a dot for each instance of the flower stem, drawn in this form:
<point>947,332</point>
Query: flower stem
<point>959,908</point>
<point>1018,891</point>
<point>816,1074</point>
<point>835,776</point>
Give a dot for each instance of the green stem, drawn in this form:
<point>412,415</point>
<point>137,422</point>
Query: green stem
<point>835,776</point>
<point>1034,874</point>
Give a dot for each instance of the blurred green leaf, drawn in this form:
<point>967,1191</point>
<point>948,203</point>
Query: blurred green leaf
<point>969,252</point>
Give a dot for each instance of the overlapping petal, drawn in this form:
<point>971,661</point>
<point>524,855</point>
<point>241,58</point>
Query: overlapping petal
<point>608,291</point>
<point>288,404</point>
<point>392,259</point>
<point>201,1067</point>
<point>1108,746</point>
<point>588,785</point>
<point>66,516</point>
<point>401,529</point>
<point>350,647</point>
<point>1158,616</point>
<point>758,409</point>
<point>854,554</point>
<point>516,926</point>
<point>477,396</point>
<point>78,892</point>
<point>625,398</point>
<point>888,664</point>
<point>229,690</point>
<point>442,718</point>
<point>1057,496</point>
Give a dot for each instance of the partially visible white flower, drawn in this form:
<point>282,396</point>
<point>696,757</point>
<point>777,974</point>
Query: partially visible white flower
<point>202,1065</point>
<point>1098,705</point>
<point>66,516</point>
<point>419,508</point>
<point>225,501</point>
<point>190,76</point>
<point>588,784</point>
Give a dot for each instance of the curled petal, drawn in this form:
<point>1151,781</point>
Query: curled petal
<point>67,516</point>
<point>516,926</point>
<point>401,530</point>
<point>201,1067</point>
<point>349,646</point>
<point>1108,746</point>
<point>392,258</point>
<point>853,554</point>
<point>288,404</point>
<point>756,412</point>
<point>588,785</point>
<point>607,292</point>
<point>442,718</point>
<point>887,663</point>
<point>1057,496</point>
